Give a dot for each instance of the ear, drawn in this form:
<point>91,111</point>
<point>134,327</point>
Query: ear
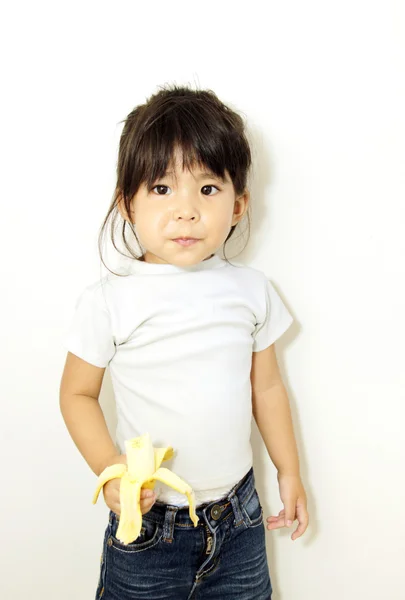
<point>121,208</point>
<point>240,207</point>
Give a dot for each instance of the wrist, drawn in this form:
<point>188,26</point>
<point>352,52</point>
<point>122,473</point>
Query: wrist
<point>288,473</point>
<point>113,459</point>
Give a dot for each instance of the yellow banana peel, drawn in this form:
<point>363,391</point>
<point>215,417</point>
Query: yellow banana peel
<point>141,471</point>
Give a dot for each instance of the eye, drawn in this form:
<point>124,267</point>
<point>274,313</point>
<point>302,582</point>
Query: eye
<point>210,187</point>
<point>161,189</point>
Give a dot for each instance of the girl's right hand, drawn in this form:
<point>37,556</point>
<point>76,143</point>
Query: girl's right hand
<point>111,492</point>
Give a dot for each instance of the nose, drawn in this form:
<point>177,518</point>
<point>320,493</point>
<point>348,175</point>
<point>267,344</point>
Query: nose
<point>186,212</point>
<point>185,218</point>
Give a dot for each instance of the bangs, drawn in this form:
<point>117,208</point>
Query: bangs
<point>201,138</point>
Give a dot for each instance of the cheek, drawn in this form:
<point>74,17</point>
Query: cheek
<point>149,220</point>
<point>145,213</point>
<point>222,218</point>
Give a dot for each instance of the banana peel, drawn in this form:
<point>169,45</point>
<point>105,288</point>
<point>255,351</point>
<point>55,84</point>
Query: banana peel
<point>141,472</point>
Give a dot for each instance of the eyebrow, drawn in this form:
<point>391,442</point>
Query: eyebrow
<point>202,175</point>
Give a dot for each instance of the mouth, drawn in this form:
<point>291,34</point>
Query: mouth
<point>186,241</point>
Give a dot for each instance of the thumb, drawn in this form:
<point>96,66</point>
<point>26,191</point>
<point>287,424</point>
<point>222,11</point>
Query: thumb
<point>289,516</point>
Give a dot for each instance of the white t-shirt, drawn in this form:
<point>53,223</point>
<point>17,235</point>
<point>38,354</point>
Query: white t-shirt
<point>178,342</point>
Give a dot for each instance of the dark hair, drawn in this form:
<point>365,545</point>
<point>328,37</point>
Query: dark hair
<point>206,131</point>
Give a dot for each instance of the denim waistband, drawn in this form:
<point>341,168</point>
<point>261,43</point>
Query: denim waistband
<point>211,513</point>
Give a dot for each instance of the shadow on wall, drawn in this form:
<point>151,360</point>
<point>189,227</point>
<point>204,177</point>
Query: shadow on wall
<point>266,477</point>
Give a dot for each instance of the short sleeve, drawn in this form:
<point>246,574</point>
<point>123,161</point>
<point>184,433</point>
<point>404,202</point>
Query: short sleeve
<point>89,335</point>
<point>275,319</point>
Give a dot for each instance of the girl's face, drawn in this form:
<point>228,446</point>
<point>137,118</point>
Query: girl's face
<point>184,204</point>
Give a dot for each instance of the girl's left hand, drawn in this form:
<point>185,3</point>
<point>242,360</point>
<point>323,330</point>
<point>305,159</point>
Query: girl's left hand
<point>294,498</point>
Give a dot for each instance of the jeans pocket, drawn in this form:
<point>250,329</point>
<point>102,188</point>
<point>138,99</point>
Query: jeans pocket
<point>151,533</point>
<point>253,510</point>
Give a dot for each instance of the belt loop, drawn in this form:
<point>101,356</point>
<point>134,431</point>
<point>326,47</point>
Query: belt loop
<point>239,518</point>
<point>168,525</point>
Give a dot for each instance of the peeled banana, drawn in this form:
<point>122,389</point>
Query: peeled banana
<point>141,471</point>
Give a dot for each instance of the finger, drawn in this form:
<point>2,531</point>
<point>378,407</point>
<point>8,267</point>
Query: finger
<point>299,531</point>
<point>148,502</point>
<point>145,505</point>
<point>145,493</point>
<point>303,521</point>
<point>289,515</point>
<point>275,525</point>
<point>275,520</point>
<point>276,517</point>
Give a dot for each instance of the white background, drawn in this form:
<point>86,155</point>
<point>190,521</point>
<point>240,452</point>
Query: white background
<point>321,85</point>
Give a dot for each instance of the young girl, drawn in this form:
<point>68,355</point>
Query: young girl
<point>189,340</point>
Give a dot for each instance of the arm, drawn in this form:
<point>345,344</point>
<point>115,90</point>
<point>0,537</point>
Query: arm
<point>78,398</point>
<point>271,410</point>
<point>79,391</point>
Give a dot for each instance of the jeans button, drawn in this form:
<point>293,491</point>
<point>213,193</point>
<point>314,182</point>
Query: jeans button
<point>216,511</point>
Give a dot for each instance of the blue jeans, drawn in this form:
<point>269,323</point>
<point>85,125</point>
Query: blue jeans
<point>223,558</point>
